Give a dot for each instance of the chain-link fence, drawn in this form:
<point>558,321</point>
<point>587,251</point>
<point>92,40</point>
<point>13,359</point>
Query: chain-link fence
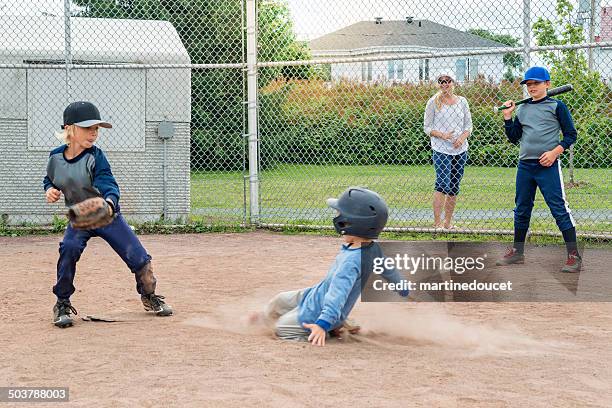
<point>359,118</point>
<point>273,106</point>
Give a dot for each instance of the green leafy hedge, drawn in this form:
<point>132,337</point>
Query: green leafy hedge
<point>310,122</point>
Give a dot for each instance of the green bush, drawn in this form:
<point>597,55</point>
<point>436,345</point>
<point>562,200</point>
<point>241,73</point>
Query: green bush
<point>312,122</point>
<point>592,148</point>
<point>500,155</point>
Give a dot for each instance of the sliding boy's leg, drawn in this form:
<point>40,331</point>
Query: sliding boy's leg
<point>288,327</point>
<point>282,303</point>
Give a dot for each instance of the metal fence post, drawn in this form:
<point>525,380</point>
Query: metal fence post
<point>67,49</point>
<point>526,37</point>
<point>591,31</point>
<point>252,109</point>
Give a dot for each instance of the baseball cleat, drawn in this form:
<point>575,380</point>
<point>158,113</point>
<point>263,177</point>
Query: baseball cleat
<point>351,326</point>
<point>61,314</point>
<point>511,257</point>
<point>154,303</point>
<point>573,263</point>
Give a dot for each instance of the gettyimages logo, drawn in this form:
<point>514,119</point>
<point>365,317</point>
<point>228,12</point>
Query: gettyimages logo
<point>410,264</point>
<point>467,272</point>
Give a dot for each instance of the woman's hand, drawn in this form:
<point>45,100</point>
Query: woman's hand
<point>446,135</point>
<point>53,194</point>
<point>442,135</point>
<point>460,140</point>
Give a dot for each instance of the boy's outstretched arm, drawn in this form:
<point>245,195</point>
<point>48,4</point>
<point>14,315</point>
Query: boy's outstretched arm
<point>333,302</point>
<point>393,276</point>
<point>336,296</point>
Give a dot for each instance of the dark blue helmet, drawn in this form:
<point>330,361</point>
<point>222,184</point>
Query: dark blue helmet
<point>362,213</point>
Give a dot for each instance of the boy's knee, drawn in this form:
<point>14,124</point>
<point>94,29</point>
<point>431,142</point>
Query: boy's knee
<point>274,308</point>
<point>277,299</point>
<point>564,222</point>
<point>523,209</point>
<point>284,302</point>
<point>71,248</point>
<point>275,303</point>
<point>522,218</point>
<point>522,214</point>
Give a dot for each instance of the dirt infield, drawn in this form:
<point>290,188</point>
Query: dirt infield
<point>411,354</point>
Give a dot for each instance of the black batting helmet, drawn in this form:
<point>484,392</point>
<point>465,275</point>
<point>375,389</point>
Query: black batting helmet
<point>362,213</point>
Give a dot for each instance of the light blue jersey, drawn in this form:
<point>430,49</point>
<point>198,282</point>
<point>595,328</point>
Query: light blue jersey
<point>329,303</point>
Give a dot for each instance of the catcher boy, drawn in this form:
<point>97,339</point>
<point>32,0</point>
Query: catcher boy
<point>80,171</point>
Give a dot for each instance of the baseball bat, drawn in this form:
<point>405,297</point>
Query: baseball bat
<point>551,92</point>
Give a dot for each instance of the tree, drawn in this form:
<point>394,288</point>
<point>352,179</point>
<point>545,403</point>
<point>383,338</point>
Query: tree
<point>278,43</point>
<point>587,101</point>
<point>546,33</point>
<point>212,32</point>
<point>512,60</point>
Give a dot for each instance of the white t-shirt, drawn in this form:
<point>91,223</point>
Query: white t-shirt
<point>454,118</point>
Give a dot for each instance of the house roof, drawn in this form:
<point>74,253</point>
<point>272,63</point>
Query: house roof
<point>93,39</point>
<point>419,33</point>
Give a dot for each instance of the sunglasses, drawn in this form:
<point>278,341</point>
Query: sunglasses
<point>445,81</point>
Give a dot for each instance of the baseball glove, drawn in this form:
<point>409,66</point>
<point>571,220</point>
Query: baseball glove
<point>90,214</point>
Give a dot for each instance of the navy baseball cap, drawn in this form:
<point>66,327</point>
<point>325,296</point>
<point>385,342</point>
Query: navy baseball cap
<point>539,74</point>
<point>83,114</point>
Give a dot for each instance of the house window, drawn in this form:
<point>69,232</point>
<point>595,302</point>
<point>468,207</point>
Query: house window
<point>472,68</point>
<point>424,69</point>
<point>460,68</point>
<point>395,70</point>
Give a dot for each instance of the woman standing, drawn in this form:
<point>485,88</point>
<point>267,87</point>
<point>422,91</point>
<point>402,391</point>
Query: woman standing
<point>448,122</point>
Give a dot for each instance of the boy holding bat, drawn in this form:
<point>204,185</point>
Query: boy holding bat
<point>536,129</point>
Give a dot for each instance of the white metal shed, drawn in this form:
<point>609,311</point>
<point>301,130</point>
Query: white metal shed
<point>135,97</point>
